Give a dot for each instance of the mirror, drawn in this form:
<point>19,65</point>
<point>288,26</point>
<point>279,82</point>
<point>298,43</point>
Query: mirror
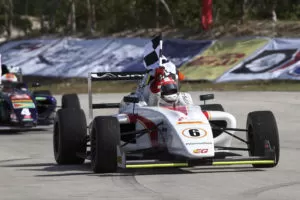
<point>36,84</point>
<point>206,97</point>
<point>131,99</point>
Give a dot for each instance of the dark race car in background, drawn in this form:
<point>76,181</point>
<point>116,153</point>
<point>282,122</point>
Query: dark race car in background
<point>21,108</point>
<point>17,109</point>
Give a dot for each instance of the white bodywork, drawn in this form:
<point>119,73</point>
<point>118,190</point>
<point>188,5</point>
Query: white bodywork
<point>184,130</point>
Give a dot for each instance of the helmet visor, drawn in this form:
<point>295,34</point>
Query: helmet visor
<point>169,89</point>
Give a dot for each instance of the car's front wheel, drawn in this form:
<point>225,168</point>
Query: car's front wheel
<point>70,101</point>
<point>262,127</point>
<point>105,137</point>
<point>69,136</point>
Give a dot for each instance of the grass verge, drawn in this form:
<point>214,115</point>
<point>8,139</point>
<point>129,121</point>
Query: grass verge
<point>61,86</point>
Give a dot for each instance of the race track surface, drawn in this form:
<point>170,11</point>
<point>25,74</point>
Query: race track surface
<point>28,170</point>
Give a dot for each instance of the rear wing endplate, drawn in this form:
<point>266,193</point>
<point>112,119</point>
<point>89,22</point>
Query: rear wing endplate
<point>108,76</point>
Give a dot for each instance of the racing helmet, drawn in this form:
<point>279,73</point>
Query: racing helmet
<point>169,90</point>
<point>9,77</point>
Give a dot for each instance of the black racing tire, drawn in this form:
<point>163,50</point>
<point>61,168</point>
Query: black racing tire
<point>212,107</point>
<point>70,101</point>
<point>261,126</point>
<point>105,137</point>
<point>41,93</point>
<point>69,136</point>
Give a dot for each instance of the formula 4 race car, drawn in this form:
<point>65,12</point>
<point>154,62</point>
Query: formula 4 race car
<point>23,109</point>
<point>141,136</point>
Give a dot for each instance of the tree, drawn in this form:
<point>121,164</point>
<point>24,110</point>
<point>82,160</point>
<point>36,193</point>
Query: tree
<point>246,7</point>
<point>157,13</point>
<point>42,17</point>
<point>93,15</point>
<point>52,17</point>
<point>118,15</point>
<point>9,15</point>
<point>72,16</point>
<point>90,16</point>
<point>167,8</point>
<point>273,10</point>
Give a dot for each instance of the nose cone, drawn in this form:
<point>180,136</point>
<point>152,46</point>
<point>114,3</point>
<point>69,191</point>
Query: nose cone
<point>26,115</point>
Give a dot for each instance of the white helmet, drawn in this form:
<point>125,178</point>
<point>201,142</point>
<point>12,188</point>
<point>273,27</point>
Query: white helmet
<point>9,77</point>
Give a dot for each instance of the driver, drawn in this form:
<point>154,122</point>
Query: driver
<point>9,77</point>
<point>161,80</point>
<point>168,91</point>
<point>163,89</point>
<point>10,81</point>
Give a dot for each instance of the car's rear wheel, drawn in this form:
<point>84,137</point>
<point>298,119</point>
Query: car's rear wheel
<point>105,137</point>
<point>69,137</point>
<point>262,127</point>
<point>70,101</point>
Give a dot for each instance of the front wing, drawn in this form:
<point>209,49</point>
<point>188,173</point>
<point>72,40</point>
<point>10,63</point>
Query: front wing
<point>268,158</point>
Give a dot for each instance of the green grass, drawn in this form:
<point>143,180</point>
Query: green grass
<point>245,86</point>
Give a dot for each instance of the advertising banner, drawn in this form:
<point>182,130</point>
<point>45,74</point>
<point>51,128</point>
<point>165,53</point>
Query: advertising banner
<point>279,59</point>
<point>240,59</point>
<point>220,57</point>
<point>72,57</point>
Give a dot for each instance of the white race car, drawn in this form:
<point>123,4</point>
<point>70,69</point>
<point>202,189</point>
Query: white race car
<point>141,136</point>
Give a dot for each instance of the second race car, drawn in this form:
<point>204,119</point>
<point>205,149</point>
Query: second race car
<point>21,108</point>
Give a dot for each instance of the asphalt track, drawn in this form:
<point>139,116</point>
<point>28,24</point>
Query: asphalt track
<point>28,170</point>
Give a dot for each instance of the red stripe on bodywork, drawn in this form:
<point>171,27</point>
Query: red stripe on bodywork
<point>206,113</point>
<point>148,124</point>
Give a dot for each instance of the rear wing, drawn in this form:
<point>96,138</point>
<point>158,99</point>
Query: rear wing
<point>108,76</point>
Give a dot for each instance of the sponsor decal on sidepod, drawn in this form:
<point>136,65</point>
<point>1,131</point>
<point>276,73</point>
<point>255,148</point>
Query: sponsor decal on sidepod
<point>200,150</point>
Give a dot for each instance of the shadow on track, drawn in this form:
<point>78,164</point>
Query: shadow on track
<point>10,132</point>
<point>59,170</point>
<point>25,131</point>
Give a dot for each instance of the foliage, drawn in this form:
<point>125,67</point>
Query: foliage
<point>120,15</point>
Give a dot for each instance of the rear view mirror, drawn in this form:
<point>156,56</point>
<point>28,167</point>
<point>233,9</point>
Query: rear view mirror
<point>36,84</point>
<point>131,99</point>
<point>206,97</point>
